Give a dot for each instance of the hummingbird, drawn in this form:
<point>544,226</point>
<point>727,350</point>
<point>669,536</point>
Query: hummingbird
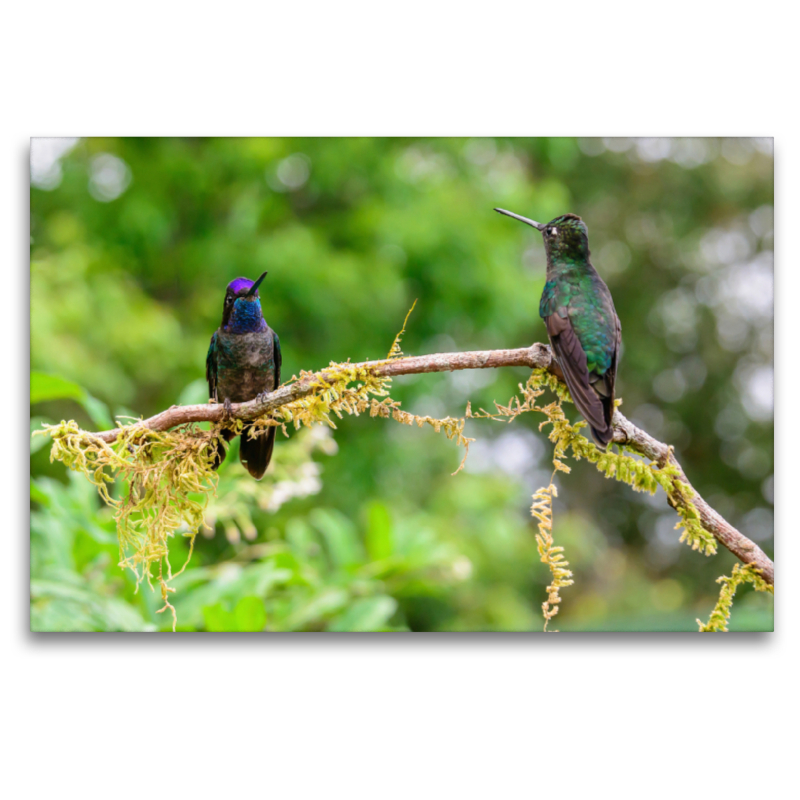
<point>582,325</point>
<point>244,363</point>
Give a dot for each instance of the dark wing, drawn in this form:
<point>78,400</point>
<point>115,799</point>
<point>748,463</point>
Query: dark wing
<point>211,368</point>
<point>218,449</point>
<point>604,385</point>
<point>615,362</point>
<point>276,354</point>
<point>572,360</point>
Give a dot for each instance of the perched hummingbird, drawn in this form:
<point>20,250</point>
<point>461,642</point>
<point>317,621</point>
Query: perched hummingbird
<point>243,363</point>
<point>582,325</point>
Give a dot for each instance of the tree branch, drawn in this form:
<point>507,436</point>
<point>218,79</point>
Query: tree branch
<point>536,356</point>
<point>625,432</point>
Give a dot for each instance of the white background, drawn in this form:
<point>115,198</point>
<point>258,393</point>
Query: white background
<point>395,716</point>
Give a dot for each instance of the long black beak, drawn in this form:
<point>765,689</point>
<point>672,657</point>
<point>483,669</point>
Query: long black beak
<point>254,287</point>
<point>537,225</point>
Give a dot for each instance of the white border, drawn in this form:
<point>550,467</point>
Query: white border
<point>448,716</point>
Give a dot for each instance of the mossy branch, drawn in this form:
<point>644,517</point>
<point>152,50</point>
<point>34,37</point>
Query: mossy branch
<point>309,383</point>
<point>314,395</point>
<point>688,502</point>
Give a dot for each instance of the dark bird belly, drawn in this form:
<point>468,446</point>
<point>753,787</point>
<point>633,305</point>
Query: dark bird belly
<point>245,366</point>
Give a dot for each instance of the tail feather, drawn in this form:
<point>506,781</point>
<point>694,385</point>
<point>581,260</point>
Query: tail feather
<point>217,449</point>
<point>603,437</point>
<point>603,387</point>
<point>255,454</point>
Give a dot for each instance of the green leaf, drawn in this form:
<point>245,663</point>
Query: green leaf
<point>368,614</point>
<point>218,618</point>
<point>51,387</point>
<point>38,442</point>
<point>67,603</point>
<point>340,536</point>
<point>301,538</point>
<point>379,532</point>
<point>250,614</point>
<point>318,606</point>
<point>194,393</point>
<point>98,411</point>
<point>259,579</point>
<point>38,495</point>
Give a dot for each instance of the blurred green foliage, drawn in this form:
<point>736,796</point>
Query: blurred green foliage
<point>134,240</point>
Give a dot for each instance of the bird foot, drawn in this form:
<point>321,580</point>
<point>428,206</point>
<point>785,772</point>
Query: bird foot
<point>262,396</point>
<point>228,408</point>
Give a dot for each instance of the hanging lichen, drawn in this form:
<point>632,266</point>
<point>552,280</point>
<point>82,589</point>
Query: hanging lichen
<point>549,552</point>
<point>718,621</point>
<point>167,476</point>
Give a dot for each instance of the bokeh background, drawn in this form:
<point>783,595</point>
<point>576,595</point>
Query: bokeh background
<point>134,240</point>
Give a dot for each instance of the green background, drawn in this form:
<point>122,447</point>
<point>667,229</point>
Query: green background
<point>134,240</point>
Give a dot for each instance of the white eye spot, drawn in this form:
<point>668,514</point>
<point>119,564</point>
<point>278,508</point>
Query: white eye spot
<point>553,231</point>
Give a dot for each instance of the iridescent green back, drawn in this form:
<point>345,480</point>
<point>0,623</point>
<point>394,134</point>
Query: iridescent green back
<point>575,289</point>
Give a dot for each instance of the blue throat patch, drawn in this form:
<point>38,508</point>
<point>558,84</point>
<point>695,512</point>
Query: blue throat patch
<point>246,317</point>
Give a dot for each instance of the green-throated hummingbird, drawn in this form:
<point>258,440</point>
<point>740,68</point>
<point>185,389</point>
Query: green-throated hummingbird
<point>581,322</point>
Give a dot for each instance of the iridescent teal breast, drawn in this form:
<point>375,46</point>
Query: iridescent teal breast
<point>246,316</point>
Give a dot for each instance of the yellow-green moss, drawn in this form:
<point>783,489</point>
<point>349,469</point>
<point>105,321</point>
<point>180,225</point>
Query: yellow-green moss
<point>718,621</point>
<point>549,552</point>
